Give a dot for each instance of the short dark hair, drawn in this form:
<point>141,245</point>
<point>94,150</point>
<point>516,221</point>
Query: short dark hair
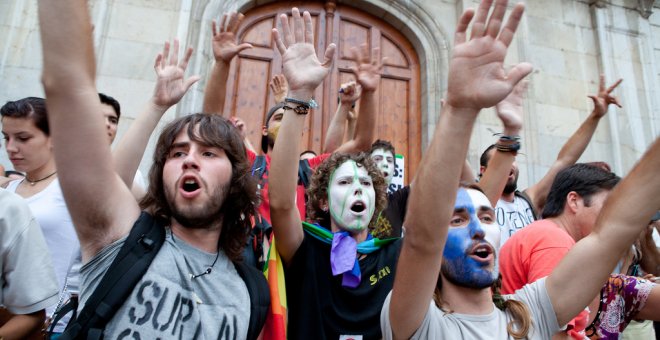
<point>269,115</point>
<point>485,157</point>
<point>382,144</point>
<point>241,201</point>
<point>105,99</point>
<point>33,108</point>
<point>585,179</point>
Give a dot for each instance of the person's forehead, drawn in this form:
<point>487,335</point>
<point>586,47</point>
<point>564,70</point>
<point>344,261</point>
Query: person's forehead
<point>277,112</point>
<point>108,110</point>
<point>471,198</point>
<point>17,124</point>
<point>350,168</point>
<point>381,152</point>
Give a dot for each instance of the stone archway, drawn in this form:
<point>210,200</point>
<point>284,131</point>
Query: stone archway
<point>427,37</point>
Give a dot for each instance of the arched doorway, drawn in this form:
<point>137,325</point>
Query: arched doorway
<point>399,111</point>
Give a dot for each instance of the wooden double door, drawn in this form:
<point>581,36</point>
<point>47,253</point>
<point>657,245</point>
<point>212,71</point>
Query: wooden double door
<point>398,97</point>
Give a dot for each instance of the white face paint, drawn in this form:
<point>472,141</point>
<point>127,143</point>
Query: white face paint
<point>385,163</point>
<point>491,230</point>
<point>351,197</point>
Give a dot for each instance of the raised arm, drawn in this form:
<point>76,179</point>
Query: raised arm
<point>576,144</point>
<point>510,112</point>
<point>225,48</point>
<point>171,86</point>
<point>476,80</point>
<point>627,211</point>
<point>101,206</point>
<point>349,93</point>
<point>304,72</point>
<point>367,74</point>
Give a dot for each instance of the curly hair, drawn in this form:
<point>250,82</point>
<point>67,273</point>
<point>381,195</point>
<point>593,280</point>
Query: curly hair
<point>318,188</point>
<point>241,201</point>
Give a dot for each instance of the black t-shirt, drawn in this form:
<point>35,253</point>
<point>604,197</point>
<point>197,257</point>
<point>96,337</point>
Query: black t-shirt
<point>390,221</point>
<point>320,308</point>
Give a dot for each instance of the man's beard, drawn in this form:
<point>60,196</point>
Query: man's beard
<point>200,217</point>
<point>511,186</point>
<point>272,136</point>
<point>474,282</point>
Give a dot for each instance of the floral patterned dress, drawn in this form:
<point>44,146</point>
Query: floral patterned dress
<point>621,298</point>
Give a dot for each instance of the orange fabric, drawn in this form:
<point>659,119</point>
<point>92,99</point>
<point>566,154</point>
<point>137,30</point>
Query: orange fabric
<point>532,253</point>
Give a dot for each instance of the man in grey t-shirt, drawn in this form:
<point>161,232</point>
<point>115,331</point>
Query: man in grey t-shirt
<point>447,265</point>
<point>200,191</point>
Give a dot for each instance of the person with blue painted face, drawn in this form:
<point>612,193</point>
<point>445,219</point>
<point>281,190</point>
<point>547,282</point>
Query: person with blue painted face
<point>447,266</point>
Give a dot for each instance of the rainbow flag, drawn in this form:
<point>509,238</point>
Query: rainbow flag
<point>275,327</point>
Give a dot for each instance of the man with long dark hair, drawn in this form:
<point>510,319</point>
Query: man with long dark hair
<point>200,192</point>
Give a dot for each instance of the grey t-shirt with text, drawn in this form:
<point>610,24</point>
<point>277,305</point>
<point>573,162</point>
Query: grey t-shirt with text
<point>167,304</point>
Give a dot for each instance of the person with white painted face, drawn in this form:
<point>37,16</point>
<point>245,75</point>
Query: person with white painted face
<point>337,275</point>
<point>390,220</point>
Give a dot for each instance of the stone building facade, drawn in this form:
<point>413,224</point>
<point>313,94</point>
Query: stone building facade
<point>569,42</point>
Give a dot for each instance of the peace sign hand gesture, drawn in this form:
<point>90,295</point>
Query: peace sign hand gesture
<point>603,99</point>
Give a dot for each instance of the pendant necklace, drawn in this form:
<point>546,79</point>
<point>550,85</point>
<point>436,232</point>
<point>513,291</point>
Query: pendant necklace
<point>33,182</point>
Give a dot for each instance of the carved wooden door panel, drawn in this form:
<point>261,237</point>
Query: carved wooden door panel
<point>398,115</point>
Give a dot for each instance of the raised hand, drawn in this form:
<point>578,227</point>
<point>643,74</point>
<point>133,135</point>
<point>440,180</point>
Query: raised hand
<point>349,93</point>
<point>171,84</point>
<point>510,110</point>
<point>367,72</point>
<point>603,99</point>
<point>225,45</point>
<point>477,78</point>
<point>240,125</point>
<point>301,67</point>
<point>279,87</point>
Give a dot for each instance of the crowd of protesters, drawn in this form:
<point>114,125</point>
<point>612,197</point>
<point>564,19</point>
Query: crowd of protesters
<point>575,255</point>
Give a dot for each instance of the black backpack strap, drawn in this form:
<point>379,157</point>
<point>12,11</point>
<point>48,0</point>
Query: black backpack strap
<point>257,287</point>
<point>68,307</point>
<point>526,198</point>
<point>304,173</point>
<point>132,261</point>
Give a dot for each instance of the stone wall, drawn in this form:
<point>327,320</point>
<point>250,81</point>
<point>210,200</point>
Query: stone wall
<point>570,42</point>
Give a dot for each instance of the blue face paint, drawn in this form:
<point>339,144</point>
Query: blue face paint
<point>457,265</point>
